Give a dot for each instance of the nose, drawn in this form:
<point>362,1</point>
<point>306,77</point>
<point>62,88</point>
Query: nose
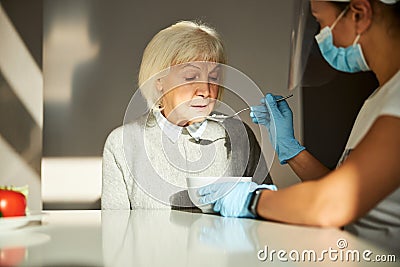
<point>203,89</point>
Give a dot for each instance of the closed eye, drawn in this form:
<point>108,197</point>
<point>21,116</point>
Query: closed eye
<point>188,79</point>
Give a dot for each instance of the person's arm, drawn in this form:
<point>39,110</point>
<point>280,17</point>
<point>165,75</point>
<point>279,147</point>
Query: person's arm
<point>369,174</point>
<point>277,117</point>
<point>307,167</point>
<point>114,194</point>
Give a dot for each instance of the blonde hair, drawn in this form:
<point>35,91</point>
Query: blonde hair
<point>182,42</point>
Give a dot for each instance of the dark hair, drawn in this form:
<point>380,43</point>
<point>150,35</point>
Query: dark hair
<point>395,9</point>
<point>396,15</point>
<point>340,5</point>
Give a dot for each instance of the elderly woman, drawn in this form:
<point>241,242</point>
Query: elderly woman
<point>146,161</point>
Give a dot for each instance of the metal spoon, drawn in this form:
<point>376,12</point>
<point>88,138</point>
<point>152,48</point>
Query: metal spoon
<point>220,118</point>
<point>285,97</point>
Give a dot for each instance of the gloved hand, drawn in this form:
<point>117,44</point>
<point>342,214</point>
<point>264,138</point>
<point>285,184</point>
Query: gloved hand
<point>278,118</point>
<point>231,199</point>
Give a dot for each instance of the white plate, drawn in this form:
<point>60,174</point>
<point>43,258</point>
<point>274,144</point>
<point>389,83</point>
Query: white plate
<point>8,223</point>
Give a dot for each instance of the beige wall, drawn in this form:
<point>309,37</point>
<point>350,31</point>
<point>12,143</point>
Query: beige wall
<point>92,51</point>
<point>21,113</point>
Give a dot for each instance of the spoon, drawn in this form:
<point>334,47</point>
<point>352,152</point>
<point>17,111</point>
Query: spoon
<point>220,118</point>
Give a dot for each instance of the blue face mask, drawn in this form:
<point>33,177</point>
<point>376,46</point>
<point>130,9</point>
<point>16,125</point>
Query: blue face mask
<point>349,59</point>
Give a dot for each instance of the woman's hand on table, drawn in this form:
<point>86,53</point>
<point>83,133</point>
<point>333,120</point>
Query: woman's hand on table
<point>231,199</point>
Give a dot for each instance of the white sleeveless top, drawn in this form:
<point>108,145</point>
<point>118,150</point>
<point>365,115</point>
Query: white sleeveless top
<point>382,223</point>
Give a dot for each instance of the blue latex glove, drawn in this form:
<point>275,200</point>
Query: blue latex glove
<point>231,199</point>
<point>280,127</point>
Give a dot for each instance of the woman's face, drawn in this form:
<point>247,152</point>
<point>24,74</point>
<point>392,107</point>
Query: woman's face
<point>189,91</point>
<point>326,13</point>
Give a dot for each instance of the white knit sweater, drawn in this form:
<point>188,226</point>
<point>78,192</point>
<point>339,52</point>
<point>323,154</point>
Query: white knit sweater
<point>142,168</point>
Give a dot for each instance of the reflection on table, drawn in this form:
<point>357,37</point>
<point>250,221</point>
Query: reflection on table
<point>169,238</point>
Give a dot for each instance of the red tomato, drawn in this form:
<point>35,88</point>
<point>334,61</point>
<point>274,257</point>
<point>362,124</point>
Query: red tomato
<point>12,203</point>
<point>12,256</point>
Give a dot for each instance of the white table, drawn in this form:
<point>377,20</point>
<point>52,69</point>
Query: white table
<point>174,238</point>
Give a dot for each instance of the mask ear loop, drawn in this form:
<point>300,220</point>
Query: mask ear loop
<point>337,20</point>
<point>339,17</point>
<point>356,40</point>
